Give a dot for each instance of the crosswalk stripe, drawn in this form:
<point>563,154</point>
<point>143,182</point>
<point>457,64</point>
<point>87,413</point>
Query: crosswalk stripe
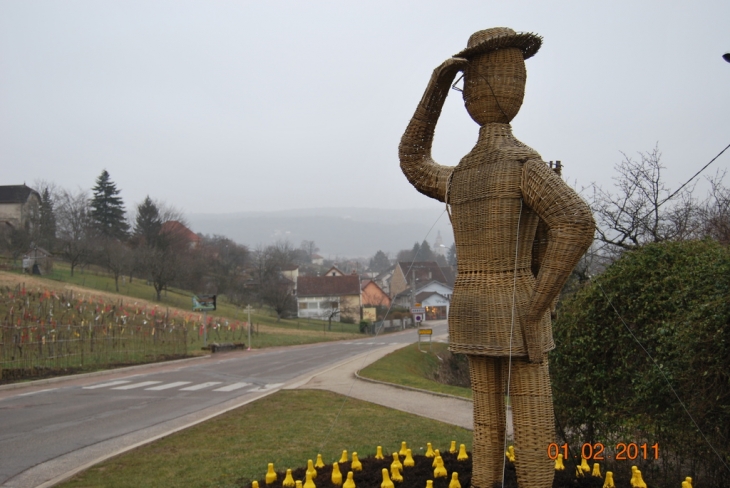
<point>270,387</point>
<point>201,386</point>
<point>136,385</point>
<point>168,386</point>
<point>234,386</point>
<point>104,385</point>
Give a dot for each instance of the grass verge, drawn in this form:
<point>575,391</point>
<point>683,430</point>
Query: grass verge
<point>286,428</point>
<point>410,367</point>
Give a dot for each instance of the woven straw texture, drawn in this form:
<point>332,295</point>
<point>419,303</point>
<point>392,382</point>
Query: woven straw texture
<point>532,417</point>
<point>519,232</point>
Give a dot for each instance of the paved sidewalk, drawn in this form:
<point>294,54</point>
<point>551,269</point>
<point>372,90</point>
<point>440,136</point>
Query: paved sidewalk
<point>342,380</point>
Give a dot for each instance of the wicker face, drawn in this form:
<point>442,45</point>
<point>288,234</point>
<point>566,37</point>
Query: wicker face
<point>494,86</point>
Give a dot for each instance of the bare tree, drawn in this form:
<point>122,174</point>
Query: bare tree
<point>638,211</point>
<point>74,227</point>
<point>714,212</point>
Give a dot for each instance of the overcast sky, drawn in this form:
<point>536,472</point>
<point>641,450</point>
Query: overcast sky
<point>218,107</point>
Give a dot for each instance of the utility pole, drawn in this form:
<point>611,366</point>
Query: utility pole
<point>249,310</point>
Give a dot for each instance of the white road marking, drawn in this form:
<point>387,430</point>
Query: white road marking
<point>136,385</point>
<point>201,386</point>
<point>234,386</point>
<point>270,387</point>
<point>168,386</point>
<point>104,385</point>
<point>39,391</point>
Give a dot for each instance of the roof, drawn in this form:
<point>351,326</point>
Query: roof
<point>426,294</point>
<point>317,286</point>
<point>16,193</point>
<point>179,229</point>
<point>422,271</point>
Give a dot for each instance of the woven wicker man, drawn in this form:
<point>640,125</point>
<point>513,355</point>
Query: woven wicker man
<point>519,232</point>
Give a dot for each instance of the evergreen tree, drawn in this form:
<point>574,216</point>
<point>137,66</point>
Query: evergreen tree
<point>451,257</point>
<point>425,253</point>
<point>107,209</point>
<point>148,223</point>
<point>379,262</point>
<point>46,221</point>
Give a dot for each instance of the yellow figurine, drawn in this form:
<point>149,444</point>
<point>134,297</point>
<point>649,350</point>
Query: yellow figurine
<point>688,479</point>
<point>440,471</point>
<point>596,471</point>
<point>454,480</point>
<point>255,484</point>
<point>310,469</point>
<point>559,466</point>
<point>343,458</point>
<point>356,465</point>
<point>510,454</point>
<point>429,484</point>
<point>686,485</point>
<point>309,483</point>
<point>336,475</point>
<point>609,480</point>
<point>395,474</point>
<point>396,462</point>
<point>584,465</point>
<point>298,484</point>
<point>288,480</point>
<point>379,453</point>
<point>452,448</point>
<point>429,451</point>
<point>578,472</point>
<point>408,462</point>
<point>403,448</point>
<point>436,454</point>
<point>463,456</point>
<point>319,463</point>
<point>386,480</point>
<point>636,480</point>
<point>270,474</point>
<point>350,483</point>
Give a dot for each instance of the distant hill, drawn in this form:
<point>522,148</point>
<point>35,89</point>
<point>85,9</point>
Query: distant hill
<point>338,232</point>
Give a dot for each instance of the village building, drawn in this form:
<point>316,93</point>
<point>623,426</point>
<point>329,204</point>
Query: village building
<point>373,295</point>
<point>333,296</point>
<point>19,205</point>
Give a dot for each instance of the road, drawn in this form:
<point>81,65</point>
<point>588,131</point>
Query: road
<point>47,430</point>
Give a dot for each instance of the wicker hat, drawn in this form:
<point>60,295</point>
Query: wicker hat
<point>501,38</point>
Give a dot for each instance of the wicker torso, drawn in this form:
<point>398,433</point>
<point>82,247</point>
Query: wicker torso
<point>494,259</point>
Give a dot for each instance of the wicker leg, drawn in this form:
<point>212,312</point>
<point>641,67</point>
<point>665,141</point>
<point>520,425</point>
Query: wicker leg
<point>488,385</point>
<point>534,423</point>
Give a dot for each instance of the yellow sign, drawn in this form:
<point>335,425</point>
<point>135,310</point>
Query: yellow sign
<point>369,314</point>
<point>425,331</point>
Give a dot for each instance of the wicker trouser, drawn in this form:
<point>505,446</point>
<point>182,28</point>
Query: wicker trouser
<point>532,419</point>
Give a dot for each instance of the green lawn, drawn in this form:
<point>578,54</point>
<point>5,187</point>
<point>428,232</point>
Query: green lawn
<point>410,367</point>
<point>286,428</point>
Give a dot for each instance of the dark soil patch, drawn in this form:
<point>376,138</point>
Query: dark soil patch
<point>415,477</point>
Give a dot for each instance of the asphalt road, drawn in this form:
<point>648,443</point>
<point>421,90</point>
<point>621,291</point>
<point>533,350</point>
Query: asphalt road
<point>48,429</point>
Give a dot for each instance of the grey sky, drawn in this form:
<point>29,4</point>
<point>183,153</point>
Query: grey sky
<point>221,106</point>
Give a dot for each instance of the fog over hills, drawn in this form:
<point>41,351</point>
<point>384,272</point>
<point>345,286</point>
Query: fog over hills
<point>338,232</point>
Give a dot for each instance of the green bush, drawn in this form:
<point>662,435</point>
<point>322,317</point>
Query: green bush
<point>675,299</point>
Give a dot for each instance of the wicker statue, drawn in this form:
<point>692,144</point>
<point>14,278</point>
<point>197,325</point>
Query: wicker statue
<point>519,231</point>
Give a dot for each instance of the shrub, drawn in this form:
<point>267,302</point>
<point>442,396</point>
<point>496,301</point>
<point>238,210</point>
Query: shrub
<point>675,299</point>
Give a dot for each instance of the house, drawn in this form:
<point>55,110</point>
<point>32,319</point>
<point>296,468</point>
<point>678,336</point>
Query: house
<point>38,261</point>
<point>291,273</point>
<point>373,295</point>
<point>406,298</point>
<point>416,274</point>
<point>436,304</point>
<point>317,259</point>
<point>178,230</point>
<point>333,271</point>
<point>19,204</point>
<point>331,296</point>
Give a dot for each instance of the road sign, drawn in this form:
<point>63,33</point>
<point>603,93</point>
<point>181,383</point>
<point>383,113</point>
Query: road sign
<point>418,317</point>
<point>418,310</point>
<point>203,303</point>
<point>425,331</point>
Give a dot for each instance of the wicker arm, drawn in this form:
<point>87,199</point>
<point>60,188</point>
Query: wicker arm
<point>414,150</point>
<point>570,228</point>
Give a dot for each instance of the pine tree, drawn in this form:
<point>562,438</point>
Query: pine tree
<point>107,209</point>
<point>148,223</point>
<point>46,221</point>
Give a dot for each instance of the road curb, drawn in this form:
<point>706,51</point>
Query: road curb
<point>410,388</point>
